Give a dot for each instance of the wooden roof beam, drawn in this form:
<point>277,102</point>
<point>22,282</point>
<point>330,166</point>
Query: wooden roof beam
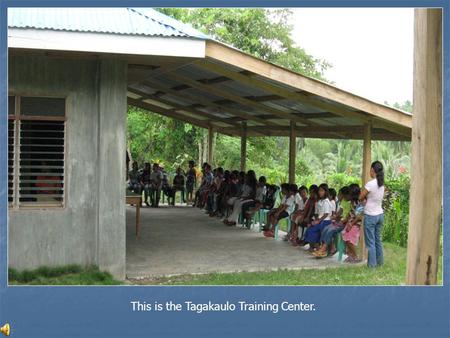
<point>236,98</point>
<point>207,103</point>
<point>165,112</point>
<point>226,54</point>
<point>177,106</point>
<point>301,95</point>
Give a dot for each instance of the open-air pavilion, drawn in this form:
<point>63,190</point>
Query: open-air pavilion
<point>158,64</point>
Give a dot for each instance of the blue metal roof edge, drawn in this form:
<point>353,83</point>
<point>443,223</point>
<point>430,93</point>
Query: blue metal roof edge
<point>170,22</point>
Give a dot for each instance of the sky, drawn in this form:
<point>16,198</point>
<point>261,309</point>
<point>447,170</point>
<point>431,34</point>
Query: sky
<point>371,49</point>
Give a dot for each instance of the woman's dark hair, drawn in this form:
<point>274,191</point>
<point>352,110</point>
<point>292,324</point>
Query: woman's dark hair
<point>354,191</point>
<point>226,175</point>
<point>313,187</point>
<point>314,192</point>
<point>262,179</point>
<point>284,186</point>
<point>191,162</point>
<point>250,179</point>
<point>379,172</point>
<point>344,191</point>
<point>332,194</point>
<point>324,187</point>
<point>302,188</point>
<point>293,188</point>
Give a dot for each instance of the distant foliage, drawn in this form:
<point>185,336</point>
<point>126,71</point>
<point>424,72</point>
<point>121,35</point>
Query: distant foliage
<point>396,211</point>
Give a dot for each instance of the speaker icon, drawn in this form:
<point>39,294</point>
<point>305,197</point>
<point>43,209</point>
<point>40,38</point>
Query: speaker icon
<point>5,329</point>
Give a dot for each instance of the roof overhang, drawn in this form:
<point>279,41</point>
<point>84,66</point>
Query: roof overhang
<point>91,42</point>
<point>229,87</point>
<point>210,84</point>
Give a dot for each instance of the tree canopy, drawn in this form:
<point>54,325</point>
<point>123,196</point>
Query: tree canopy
<point>264,33</point>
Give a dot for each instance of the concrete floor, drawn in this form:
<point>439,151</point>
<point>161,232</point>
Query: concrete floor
<point>183,240</point>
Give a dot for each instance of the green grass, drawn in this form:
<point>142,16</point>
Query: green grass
<point>392,273</point>
<point>63,275</point>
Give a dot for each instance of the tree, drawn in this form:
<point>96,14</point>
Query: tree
<point>264,33</point>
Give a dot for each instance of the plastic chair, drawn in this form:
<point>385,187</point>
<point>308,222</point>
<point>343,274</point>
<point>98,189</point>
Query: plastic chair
<point>262,213</point>
<point>288,225</point>
<point>340,246</point>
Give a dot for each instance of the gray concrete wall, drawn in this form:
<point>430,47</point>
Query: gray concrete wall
<point>85,230</point>
<point>112,147</point>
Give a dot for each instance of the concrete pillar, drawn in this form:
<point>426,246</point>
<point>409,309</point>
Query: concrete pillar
<point>111,237</point>
<point>292,151</point>
<point>425,213</point>
<point>244,146</point>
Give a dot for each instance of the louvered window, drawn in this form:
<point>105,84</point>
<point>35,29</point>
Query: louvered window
<point>36,152</point>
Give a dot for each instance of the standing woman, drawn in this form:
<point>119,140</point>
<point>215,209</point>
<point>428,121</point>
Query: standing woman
<point>373,193</point>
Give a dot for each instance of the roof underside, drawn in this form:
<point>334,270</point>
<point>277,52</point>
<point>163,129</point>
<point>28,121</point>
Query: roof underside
<point>213,93</point>
<point>227,90</point>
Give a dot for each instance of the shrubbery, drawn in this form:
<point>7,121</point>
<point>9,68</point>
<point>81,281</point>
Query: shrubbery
<point>396,211</point>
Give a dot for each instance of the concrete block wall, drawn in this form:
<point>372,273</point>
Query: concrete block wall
<point>90,229</point>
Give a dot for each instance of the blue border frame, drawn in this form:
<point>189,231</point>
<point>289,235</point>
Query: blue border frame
<point>105,311</point>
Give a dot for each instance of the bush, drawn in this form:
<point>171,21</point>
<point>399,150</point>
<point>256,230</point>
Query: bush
<point>339,180</point>
<point>396,211</point>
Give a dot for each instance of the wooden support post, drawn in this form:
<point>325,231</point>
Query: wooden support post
<point>210,145</point>
<point>426,154</point>
<point>367,154</point>
<point>292,151</point>
<point>244,146</point>
<point>365,177</point>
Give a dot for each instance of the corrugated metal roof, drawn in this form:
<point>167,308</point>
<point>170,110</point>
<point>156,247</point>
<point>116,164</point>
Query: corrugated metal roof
<point>126,21</point>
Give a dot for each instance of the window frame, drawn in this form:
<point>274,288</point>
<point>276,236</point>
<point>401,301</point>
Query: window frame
<point>15,205</point>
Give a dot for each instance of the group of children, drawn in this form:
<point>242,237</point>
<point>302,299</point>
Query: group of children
<point>154,181</point>
<point>235,196</point>
<point>319,211</point>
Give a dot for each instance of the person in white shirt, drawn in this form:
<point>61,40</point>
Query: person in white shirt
<point>284,210</point>
<point>373,194</point>
<point>323,218</point>
<point>300,199</point>
<point>250,208</point>
<point>332,199</point>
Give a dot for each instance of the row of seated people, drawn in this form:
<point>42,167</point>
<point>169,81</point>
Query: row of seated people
<point>154,181</point>
<point>317,211</point>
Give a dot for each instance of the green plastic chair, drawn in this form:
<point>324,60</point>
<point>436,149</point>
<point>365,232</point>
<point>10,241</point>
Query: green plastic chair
<point>262,213</point>
<point>287,220</point>
<point>340,246</point>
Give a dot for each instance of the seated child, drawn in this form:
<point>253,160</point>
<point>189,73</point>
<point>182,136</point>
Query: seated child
<point>221,184</point>
<point>134,183</point>
<point>215,187</point>
<point>300,199</point>
<point>284,210</point>
<point>230,193</point>
<point>178,185</point>
<point>191,180</point>
<point>332,199</point>
<point>260,196</point>
<point>322,218</point>
<point>247,195</point>
<point>339,220</point>
<point>350,234</point>
<point>302,219</point>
